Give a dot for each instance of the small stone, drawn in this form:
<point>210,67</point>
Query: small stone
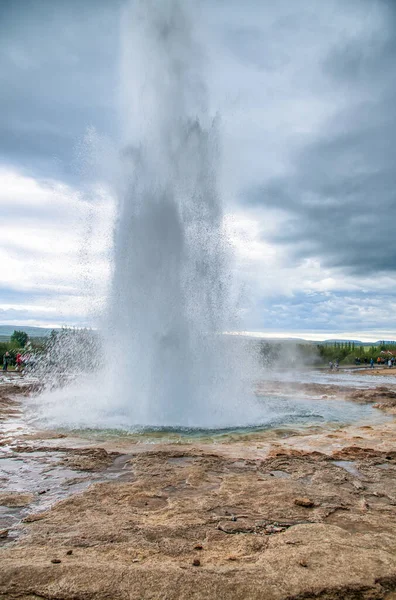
<point>269,529</point>
<point>305,502</point>
<point>3,533</point>
<point>198,547</point>
<point>233,518</point>
<point>293,542</point>
<point>303,563</point>
<point>358,485</point>
<point>232,557</point>
<point>364,505</point>
<point>69,552</point>
<point>56,561</point>
<point>196,562</point>
<point>135,560</point>
<point>42,492</point>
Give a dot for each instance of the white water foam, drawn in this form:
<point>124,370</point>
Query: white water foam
<point>166,360</point>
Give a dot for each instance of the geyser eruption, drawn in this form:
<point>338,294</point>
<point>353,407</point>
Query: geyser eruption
<point>168,363</point>
<point>170,293</point>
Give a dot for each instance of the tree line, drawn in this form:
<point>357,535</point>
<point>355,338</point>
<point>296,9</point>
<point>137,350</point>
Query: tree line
<point>299,354</point>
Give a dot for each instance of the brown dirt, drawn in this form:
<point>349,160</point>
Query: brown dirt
<point>382,397</point>
<point>383,372</point>
<point>9,405</point>
<point>277,521</point>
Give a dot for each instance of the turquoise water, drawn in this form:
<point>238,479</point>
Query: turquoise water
<point>278,413</point>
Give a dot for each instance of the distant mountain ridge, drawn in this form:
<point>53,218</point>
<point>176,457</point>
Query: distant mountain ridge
<point>358,342</point>
<point>299,340</point>
<point>6,331</point>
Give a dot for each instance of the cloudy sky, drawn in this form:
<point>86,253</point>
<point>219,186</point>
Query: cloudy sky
<point>306,94</point>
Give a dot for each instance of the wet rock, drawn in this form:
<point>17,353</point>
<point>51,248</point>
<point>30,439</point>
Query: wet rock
<point>33,517</point>
<point>15,499</point>
<point>161,544</point>
<point>88,459</point>
<point>305,502</point>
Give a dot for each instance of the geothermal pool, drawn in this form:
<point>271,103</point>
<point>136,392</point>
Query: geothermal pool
<point>272,412</point>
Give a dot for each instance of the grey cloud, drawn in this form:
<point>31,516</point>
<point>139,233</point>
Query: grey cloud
<point>328,312</point>
<point>58,76</point>
<point>37,317</point>
<point>340,200</point>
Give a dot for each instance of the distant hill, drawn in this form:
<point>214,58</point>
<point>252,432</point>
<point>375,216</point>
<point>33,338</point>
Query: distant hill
<point>6,331</point>
<point>297,340</point>
<point>356,342</point>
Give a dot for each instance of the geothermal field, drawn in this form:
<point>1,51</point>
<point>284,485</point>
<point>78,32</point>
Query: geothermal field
<point>160,452</point>
<point>303,507</point>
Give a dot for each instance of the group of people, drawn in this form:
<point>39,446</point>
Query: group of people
<point>335,365</point>
<point>7,360</point>
<point>390,362</point>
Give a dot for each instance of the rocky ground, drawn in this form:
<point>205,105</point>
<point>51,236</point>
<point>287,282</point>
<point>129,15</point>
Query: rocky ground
<point>261,516</point>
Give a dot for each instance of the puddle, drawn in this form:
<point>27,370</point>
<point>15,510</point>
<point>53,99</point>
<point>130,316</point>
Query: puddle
<point>343,378</point>
<point>181,461</point>
<point>9,516</point>
<point>280,474</point>
<point>305,480</point>
<point>385,466</point>
<point>349,466</point>
<point>239,464</point>
<point>40,474</point>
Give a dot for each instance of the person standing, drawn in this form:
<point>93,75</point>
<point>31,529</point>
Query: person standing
<point>18,361</point>
<point>6,361</point>
<point>371,363</point>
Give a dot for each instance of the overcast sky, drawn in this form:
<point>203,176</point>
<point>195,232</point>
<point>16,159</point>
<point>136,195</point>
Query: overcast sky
<point>306,94</point>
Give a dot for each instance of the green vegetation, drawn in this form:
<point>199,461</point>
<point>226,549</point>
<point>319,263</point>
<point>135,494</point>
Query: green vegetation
<point>77,347</point>
<point>293,353</point>
<point>17,343</point>
<point>347,352</point>
<point>20,337</point>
